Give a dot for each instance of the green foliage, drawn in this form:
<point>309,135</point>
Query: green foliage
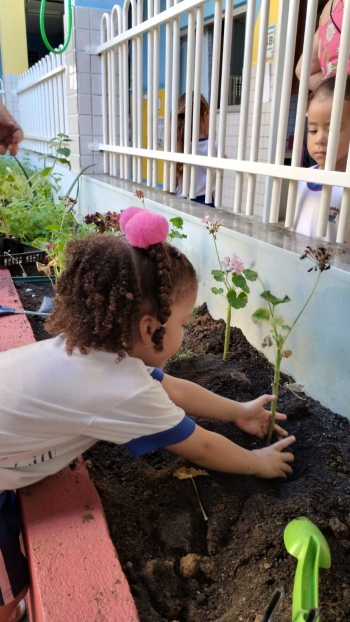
<point>28,197</point>
<point>30,205</point>
<point>185,353</point>
<point>175,232</point>
<point>280,331</point>
<point>234,278</point>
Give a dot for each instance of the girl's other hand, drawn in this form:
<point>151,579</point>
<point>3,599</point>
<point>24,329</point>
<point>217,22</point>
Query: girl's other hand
<point>273,461</point>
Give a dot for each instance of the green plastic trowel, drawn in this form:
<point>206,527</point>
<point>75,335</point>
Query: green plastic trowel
<point>304,541</point>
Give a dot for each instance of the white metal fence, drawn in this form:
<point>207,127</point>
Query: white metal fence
<point>132,33</point>
<point>43,102</point>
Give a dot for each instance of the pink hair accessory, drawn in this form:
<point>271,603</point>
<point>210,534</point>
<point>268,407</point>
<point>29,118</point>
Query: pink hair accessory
<point>126,214</point>
<point>143,228</point>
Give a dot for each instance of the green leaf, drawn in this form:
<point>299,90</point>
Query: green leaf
<point>239,281</point>
<point>64,151</point>
<point>177,235</point>
<point>285,327</point>
<point>53,228</point>
<point>237,302</point>
<point>215,290</point>
<point>261,315</point>
<point>251,275</point>
<point>277,321</point>
<point>177,222</point>
<point>46,171</point>
<point>218,275</point>
<point>64,161</point>
<point>272,299</point>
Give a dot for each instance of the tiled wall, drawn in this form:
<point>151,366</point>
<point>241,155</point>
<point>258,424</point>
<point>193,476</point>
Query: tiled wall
<point>11,98</point>
<point>84,90</point>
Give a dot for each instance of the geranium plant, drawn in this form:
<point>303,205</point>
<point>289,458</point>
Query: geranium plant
<point>234,277</point>
<point>280,331</point>
<point>103,223</point>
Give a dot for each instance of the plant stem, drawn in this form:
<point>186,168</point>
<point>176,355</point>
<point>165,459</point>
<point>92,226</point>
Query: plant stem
<point>305,304</point>
<point>227,332</point>
<point>276,382</point>
<point>199,501</point>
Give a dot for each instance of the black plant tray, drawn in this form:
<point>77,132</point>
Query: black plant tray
<point>29,255</point>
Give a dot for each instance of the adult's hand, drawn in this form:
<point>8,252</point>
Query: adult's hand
<point>11,133</point>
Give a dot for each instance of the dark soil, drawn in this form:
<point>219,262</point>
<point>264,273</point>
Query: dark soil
<point>183,569</point>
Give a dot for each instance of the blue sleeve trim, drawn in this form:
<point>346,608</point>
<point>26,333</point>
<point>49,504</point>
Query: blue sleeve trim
<point>179,433</point>
<point>157,374</point>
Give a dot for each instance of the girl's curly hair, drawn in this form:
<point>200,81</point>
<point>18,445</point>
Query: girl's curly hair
<point>108,285</point>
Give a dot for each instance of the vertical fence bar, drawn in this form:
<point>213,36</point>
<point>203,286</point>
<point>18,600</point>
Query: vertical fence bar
<point>168,45</point>
<point>117,28</point>
<point>125,92</point>
<point>284,106</point>
<point>134,85</point>
<point>156,32</point>
<point>197,96</point>
<point>225,71</point>
<point>175,96</point>
<point>259,85</point>
<point>189,99</point>
<point>243,118</point>
<point>105,32</point>
<point>301,107</point>
<point>336,116</point>
<point>343,225</point>
<point>139,90</point>
<point>275,105</point>
<point>149,92</point>
<point>214,96</point>
<point>113,95</point>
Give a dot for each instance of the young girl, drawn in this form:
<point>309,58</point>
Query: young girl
<point>309,194</point>
<point>202,148</point>
<point>119,313</point>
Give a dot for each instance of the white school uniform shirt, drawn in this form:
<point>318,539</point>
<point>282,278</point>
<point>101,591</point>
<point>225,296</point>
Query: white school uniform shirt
<point>308,208</point>
<point>53,407</point>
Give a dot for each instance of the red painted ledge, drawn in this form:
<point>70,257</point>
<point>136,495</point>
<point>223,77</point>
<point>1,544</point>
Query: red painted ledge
<point>74,569</point>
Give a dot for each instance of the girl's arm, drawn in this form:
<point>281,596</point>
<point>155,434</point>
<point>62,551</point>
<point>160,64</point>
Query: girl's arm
<point>199,402</point>
<point>216,452</point>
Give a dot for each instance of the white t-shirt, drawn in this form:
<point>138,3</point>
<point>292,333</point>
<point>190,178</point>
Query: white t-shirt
<point>308,207</point>
<point>54,407</point>
<point>201,170</point>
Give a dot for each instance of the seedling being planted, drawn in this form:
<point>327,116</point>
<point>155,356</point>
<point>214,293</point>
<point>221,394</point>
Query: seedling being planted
<point>280,331</point>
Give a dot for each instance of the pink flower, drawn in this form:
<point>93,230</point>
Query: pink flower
<point>213,227</point>
<point>235,264</point>
<point>139,194</point>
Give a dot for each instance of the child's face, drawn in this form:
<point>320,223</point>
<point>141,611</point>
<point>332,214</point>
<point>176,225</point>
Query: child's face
<point>174,330</point>
<point>319,116</point>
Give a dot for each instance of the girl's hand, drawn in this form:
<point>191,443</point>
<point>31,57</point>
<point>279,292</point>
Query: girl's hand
<point>255,420</point>
<point>273,461</point>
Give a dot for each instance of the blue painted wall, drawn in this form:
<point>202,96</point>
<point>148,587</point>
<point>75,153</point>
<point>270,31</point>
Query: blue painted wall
<point>97,4</point>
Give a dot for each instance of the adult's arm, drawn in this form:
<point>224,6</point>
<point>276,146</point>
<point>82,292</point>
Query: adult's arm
<point>11,133</point>
<point>316,75</point>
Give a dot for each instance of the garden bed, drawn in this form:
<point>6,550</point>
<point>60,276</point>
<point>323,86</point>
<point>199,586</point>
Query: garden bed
<point>181,568</point>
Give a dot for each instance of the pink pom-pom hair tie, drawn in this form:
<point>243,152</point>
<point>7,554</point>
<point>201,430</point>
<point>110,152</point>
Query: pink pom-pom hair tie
<point>143,228</point>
